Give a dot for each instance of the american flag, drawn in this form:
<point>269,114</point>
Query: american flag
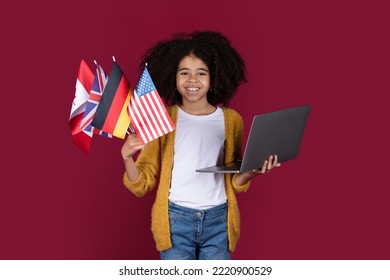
<point>95,95</point>
<point>148,115</point>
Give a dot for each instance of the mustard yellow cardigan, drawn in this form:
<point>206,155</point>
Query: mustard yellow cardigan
<point>156,161</point>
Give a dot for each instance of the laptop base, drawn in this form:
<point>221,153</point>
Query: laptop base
<point>230,167</point>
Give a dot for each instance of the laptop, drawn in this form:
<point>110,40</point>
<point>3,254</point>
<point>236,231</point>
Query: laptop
<point>276,133</point>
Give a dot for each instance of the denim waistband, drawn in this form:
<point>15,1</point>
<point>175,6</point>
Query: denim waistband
<point>194,213</point>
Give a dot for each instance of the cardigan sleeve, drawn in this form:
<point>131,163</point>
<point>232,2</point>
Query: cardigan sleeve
<point>238,188</point>
<point>148,165</point>
<point>237,131</point>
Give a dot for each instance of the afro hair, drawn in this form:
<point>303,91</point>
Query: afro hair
<point>227,68</point>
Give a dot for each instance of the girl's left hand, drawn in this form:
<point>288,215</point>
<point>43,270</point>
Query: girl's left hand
<point>268,165</point>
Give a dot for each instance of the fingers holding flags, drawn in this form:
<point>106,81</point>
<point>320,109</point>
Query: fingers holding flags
<point>131,145</point>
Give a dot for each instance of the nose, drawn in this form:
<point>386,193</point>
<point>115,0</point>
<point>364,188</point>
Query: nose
<point>192,77</point>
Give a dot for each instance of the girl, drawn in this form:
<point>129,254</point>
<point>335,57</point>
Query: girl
<point>195,215</point>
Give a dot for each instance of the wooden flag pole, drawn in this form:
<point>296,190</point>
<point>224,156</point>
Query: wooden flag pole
<point>132,130</point>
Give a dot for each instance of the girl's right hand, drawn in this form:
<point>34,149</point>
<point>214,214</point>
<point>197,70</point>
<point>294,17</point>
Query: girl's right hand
<point>131,146</point>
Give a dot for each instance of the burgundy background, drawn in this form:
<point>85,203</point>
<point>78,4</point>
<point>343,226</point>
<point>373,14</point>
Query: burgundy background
<point>332,202</point>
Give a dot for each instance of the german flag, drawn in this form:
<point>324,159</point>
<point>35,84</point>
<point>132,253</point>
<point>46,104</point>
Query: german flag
<point>112,115</point>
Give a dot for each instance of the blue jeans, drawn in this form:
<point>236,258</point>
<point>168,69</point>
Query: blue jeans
<point>197,234</point>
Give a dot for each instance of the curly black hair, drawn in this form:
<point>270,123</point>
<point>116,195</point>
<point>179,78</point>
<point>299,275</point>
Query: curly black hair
<point>227,68</point>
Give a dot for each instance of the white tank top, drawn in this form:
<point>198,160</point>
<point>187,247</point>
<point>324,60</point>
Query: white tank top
<point>199,142</point>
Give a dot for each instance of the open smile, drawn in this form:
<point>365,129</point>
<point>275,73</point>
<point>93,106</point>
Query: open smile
<point>192,89</point>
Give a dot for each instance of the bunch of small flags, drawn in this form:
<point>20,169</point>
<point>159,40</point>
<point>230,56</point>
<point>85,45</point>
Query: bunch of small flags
<point>109,106</point>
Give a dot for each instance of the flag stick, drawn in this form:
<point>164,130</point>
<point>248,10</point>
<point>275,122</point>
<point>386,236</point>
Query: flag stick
<point>131,128</point>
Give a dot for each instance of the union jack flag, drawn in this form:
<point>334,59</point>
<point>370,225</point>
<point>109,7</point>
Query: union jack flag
<point>95,95</point>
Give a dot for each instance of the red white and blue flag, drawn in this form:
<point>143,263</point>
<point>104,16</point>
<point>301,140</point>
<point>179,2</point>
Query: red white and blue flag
<point>83,86</point>
<point>95,95</point>
<point>148,115</point>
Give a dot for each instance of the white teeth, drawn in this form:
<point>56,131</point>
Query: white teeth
<point>192,89</point>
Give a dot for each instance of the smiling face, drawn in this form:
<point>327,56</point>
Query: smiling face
<point>193,81</point>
